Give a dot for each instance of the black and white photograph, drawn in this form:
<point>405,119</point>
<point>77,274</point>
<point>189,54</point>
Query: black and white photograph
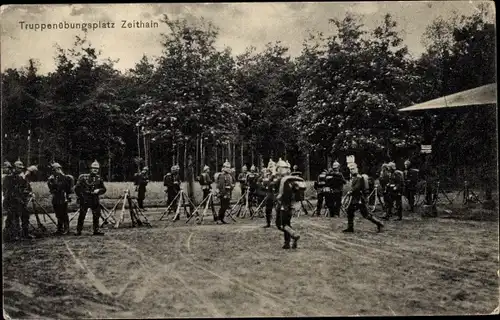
<point>249,159</point>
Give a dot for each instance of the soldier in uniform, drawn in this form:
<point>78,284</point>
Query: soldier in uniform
<point>88,188</point>
<point>394,191</point>
<point>358,200</point>
<point>60,186</point>
<point>172,182</point>
<point>319,185</point>
<point>17,191</point>
<point>383,179</point>
<point>296,172</point>
<point>225,185</point>
<point>251,181</point>
<point>269,188</point>
<point>141,180</point>
<point>242,179</point>
<point>205,181</point>
<point>411,180</point>
<point>290,189</point>
<point>6,169</point>
<point>335,181</point>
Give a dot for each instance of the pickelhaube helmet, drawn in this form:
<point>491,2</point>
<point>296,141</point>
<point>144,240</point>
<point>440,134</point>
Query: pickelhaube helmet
<point>7,165</point>
<point>271,164</point>
<point>282,164</point>
<point>175,167</point>
<point>391,165</point>
<point>19,164</point>
<point>206,168</point>
<point>352,165</point>
<point>244,168</point>
<point>32,168</point>
<point>335,165</point>
<point>252,168</point>
<point>56,165</point>
<point>95,165</point>
<point>407,162</point>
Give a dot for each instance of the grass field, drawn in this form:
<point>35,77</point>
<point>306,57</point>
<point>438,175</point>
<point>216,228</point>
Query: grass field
<point>174,269</point>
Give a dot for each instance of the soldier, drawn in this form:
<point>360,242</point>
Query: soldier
<point>319,185</point>
<point>17,191</point>
<point>242,179</point>
<point>269,185</point>
<point>60,186</point>
<point>410,187</point>
<point>172,182</point>
<point>358,200</point>
<point>335,181</point>
<point>88,188</point>
<point>141,180</point>
<point>225,185</point>
<point>296,172</point>
<point>394,191</point>
<point>6,169</point>
<point>251,181</point>
<point>205,181</point>
<point>290,189</point>
<point>383,180</point>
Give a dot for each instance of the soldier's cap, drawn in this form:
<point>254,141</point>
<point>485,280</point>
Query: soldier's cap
<point>7,164</point>
<point>336,165</point>
<point>19,164</point>
<point>391,165</point>
<point>56,165</point>
<point>205,168</point>
<point>385,166</point>
<point>95,165</point>
<point>282,164</point>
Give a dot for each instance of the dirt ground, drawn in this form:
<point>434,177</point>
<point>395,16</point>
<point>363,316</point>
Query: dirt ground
<point>418,266</point>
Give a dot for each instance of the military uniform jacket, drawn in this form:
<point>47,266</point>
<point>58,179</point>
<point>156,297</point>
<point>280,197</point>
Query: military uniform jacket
<point>335,181</point>
<point>205,181</point>
<point>285,194</point>
<point>358,189</point>
<point>320,183</point>
<point>15,189</point>
<point>141,180</point>
<point>395,182</point>
<point>85,186</point>
<point>297,174</point>
<point>411,178</point>
<point>269,185</point>
<point>225,184</point>
<point>173,182</point>
<point>242,178</point>
<point>251,180</point>
<point>60,187</point>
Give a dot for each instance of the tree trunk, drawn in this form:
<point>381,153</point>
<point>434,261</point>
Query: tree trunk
<point>184,169</point>
<point>138,148</point>
<point>197,156</point>
<point>29,149</point>
<point>242,161</point>
<point>308,168</point>
<point>234,154</point>
<point>216,158</point>
<point>109,164</point>
<point>253,155</point>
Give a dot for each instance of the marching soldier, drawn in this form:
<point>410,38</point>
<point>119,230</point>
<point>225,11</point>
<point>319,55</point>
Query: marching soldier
<point>290,189</point>
<point>141,180</point>
<point>60,186</point>
<point>358,200</point>
<point>335,181</point>
<point>410,187</point>
<point>394,191</point>
<point>225,185</point>
<point>296,172</point>
<point>172,182</point>
<point>319,185</point>
<point>88,188</point>
<point>242,179</point>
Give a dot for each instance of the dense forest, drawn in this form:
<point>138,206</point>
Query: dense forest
<point>340,96</point>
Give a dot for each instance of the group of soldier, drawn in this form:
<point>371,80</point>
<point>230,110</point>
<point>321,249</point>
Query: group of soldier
<point>274,187</point>
<point>17,194</point>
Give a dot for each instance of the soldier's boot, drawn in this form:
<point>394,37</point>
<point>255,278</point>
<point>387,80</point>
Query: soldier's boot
<point>25,234</point>
<point>380,225</point>
<point>95,223</point>
<point>350,227</point>
<point>268,222</point>
<point>388,213</point>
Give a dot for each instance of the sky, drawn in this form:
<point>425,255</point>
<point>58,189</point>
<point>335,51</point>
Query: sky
<point>241,25</point>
